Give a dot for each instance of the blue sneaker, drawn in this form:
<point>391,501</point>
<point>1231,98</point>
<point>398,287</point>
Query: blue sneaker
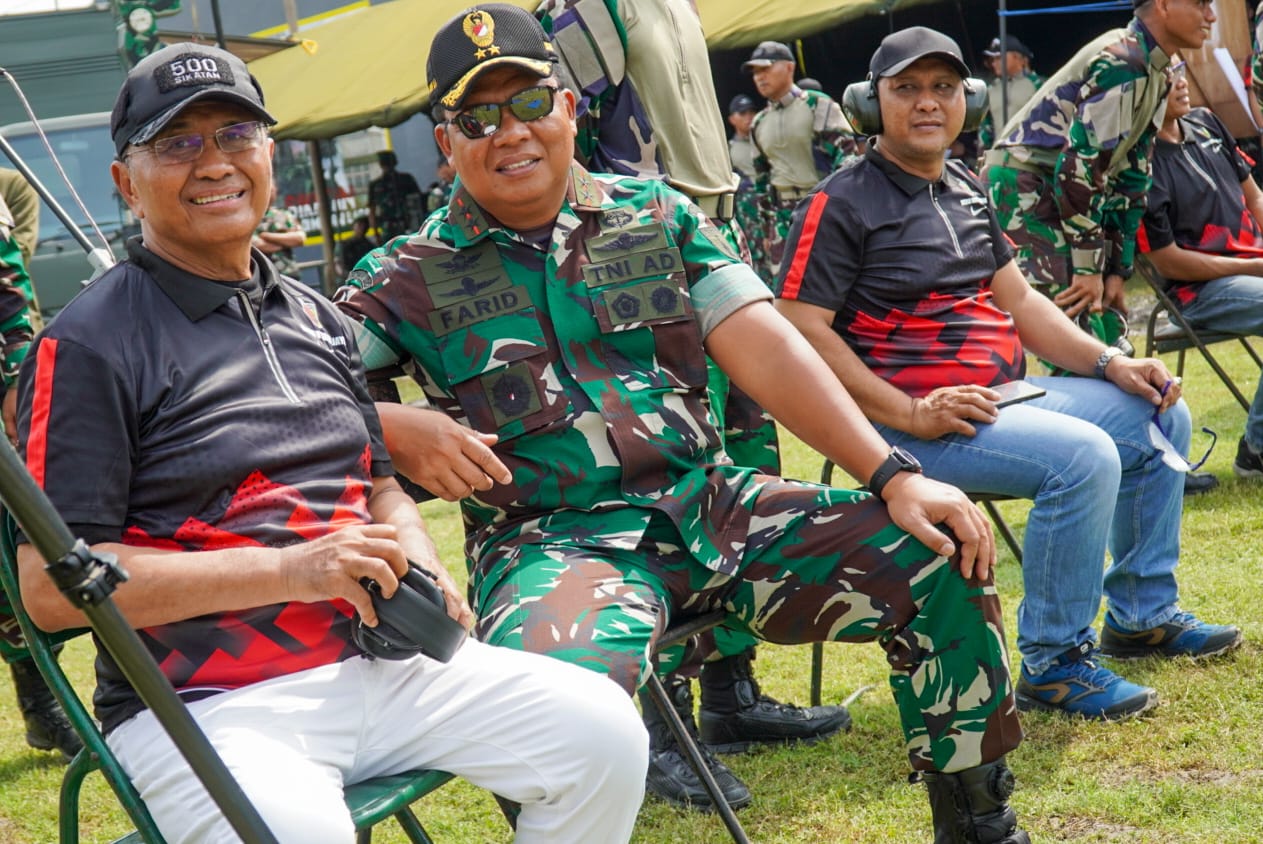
<point>1183,635</point>
<point>1077,685</point>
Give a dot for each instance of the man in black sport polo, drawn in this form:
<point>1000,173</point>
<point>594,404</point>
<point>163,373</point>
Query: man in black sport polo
<point>1202,230</point>
<point>898,272</point>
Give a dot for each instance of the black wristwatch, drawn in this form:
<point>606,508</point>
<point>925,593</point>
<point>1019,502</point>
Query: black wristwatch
<point>898,461</point>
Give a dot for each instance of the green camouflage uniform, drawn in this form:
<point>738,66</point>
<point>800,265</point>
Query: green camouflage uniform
<point>583,353</point>
<point>742,151</point>
<point>636,118</point>
<point>1069,173</point>
<point>19,316</point>
<point>987,131</point>
<point>18,323</point>
<point>831,143</point>
<point>281,220</point>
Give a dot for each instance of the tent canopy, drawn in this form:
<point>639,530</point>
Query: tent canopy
<point>367,68</point>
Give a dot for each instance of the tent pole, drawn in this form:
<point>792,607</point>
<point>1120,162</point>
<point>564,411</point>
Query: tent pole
<point>328,273</point>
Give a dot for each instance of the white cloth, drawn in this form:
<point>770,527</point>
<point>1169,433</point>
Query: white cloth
<point>563,741</point>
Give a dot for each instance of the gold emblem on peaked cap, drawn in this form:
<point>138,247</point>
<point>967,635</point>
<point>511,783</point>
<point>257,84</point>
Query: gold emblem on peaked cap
<point>480,28</point>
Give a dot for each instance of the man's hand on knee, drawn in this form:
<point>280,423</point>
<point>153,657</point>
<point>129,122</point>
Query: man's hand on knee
<point>918,504</point>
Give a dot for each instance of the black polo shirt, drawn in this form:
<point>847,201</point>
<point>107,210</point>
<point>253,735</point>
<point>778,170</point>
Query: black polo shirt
<point>906,264</point>
<point>160,409</point>
<point>1197,201</point>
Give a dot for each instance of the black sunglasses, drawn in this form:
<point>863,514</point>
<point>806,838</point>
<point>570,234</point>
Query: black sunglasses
<point>483,120</point>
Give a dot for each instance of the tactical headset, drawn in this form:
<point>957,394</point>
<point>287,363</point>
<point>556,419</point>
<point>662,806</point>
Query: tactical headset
<point>413,620</point>
<point>859,103</point>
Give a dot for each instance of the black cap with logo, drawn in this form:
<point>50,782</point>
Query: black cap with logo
<point>1011,45</point>
<point>766,53</point>
<point>902,48</point>
<point>480,38</point>
<point>163,83</point>
<point>740,103</point>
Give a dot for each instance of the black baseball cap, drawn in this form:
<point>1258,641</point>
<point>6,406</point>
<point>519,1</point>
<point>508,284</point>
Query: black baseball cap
<point>480,38</point>
<point>902,48</point>
<point>740,103</point>
<point>165,82</point>
<point>766,53</point>
<point>1012,45</point>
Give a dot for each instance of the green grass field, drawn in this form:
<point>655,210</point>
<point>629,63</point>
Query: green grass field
<point>1191,771</point>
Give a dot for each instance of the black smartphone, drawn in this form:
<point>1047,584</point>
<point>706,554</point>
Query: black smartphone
<point>1012,392</point>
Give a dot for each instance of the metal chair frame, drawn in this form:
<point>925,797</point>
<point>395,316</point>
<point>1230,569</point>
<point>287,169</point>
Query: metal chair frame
<point>370,802</point>
<point>676,635</point>
<point>1179,336</point>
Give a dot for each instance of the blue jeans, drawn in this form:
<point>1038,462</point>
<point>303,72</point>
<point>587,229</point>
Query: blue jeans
<point>1082,453</point>
<point>1233,305</point>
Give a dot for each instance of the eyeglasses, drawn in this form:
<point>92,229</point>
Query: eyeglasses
<point>483,121</point>
<point>181,149</point>
<point>1178,70</point>
<point>1170,454</point>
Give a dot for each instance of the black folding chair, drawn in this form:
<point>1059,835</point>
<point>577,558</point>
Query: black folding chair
<point>1175,334</point>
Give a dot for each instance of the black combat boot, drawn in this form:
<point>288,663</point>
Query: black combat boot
<point>47,727</point>
<point>736,715</point>
<point>670,776</point>
<point>971,806</point>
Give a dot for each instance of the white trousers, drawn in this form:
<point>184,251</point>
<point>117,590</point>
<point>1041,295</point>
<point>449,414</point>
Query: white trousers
<point>564,742</point>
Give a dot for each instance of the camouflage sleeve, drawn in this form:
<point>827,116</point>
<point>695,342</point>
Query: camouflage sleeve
<point>1126,205</point>
<point>1101,121</point>
<point>833,141</point>
<point>16,297</point>
<point>370,316</point>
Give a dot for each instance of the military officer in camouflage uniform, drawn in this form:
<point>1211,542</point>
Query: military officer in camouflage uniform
<point>1069,173</point>
<point>644,63</point>
<point>801,136</point>
<point>566,317</point>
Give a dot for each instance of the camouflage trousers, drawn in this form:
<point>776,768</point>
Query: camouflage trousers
<point>751,439</point>
<point>747,219</point>
<point>1028,213</point>
<point>830,566</point>
<point>774,228</point>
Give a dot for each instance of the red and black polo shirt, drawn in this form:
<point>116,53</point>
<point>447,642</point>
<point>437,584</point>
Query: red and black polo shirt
<point>166,410</point>
<point>1197,201</point>
<point>906,264</point>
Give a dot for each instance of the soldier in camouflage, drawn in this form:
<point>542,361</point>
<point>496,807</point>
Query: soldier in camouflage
<point>1069,173</point>
<point>566,318</point>
<point>800,137</point>
<point>741,111</point>
<point>644,63</point>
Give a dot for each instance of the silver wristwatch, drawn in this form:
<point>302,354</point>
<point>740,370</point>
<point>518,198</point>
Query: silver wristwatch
<point>1103,361</point>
